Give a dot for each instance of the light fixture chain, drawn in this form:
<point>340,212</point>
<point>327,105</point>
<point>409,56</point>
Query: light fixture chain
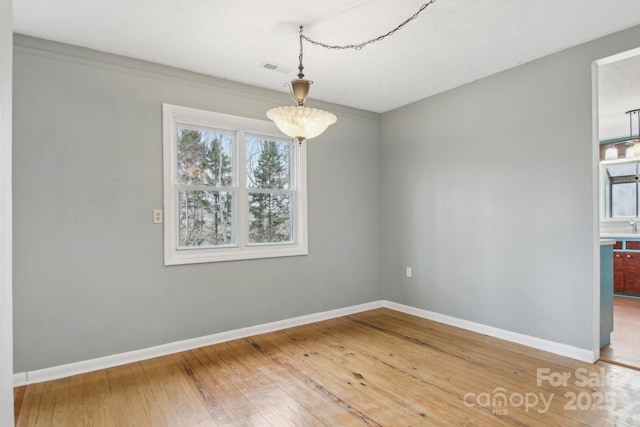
<point>300,67</point>
<point>363,44</point>
<point>301,122</point>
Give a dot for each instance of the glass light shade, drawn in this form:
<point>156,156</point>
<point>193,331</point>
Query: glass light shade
<point>611,153</point>
<point>628,153</point>
<point>636,149</point>
<point>301,122</point>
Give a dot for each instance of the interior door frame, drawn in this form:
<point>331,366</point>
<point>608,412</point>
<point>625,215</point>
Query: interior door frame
<point>595,153</point>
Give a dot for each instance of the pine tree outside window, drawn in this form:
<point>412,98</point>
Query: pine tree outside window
<point>234,188</point>
<point>270,194</point>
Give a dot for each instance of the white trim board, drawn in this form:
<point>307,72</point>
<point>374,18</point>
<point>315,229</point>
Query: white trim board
<point>514,337</point>
<point>76,368</point>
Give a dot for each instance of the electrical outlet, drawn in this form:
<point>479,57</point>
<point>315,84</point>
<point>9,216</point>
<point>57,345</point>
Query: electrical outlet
<point>157,216</point>
<point>408,271</point>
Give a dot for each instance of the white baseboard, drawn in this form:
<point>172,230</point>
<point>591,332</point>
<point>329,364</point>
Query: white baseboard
<point>527,340</point>
<point>67,370</point>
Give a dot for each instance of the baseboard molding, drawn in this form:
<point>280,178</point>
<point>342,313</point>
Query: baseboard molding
<point>70,369</point>
<point>527,340</point>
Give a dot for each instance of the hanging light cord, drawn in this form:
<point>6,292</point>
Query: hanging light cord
<point>368,42</point>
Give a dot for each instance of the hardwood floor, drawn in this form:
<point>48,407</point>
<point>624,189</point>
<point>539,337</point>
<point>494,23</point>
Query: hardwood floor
<point>625,340</point>
<point>377,368</point>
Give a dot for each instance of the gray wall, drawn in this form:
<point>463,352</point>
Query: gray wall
<point>88,262</point>
<point>6,319</point>
<point>487,194</point>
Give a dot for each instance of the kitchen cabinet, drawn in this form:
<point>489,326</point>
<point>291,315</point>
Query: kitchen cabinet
<point>626,276</point>
<point>631,273</point>
<point>618,272</point>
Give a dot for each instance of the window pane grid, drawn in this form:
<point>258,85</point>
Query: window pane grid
<point>268,163</point>
<point>621,193</point>
<point>230,193</point>
<point>270,191</point>
<point>205,219</point>
<point>205,188</point>
<point>270,218</point>
<point>205,157</point>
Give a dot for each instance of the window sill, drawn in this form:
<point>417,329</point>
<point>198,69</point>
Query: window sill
<point>197,256</point>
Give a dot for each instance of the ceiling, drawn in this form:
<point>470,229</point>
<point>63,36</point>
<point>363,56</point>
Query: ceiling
<point>451,43</point>
<point>618,92</point>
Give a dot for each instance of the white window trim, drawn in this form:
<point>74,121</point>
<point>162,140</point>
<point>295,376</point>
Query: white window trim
<point>172,114</point>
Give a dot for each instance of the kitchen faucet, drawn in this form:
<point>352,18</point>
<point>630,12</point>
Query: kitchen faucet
<point>634,226</point>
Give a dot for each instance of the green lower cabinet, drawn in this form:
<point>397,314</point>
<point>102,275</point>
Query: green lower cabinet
<point>606,294</point>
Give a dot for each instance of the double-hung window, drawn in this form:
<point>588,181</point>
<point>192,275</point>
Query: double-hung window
<point>621,188</point>
<point>234,188</point>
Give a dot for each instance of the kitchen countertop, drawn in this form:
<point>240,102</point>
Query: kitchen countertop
<point>605,242</point>
<point>620,235</point>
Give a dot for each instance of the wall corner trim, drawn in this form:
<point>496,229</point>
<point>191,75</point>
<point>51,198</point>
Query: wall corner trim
<point>514,337</point>
<point>19,379</point>
<point>76,368</point>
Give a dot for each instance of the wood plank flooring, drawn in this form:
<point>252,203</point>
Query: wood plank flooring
<point>377,368</point>
<point>625,340</point>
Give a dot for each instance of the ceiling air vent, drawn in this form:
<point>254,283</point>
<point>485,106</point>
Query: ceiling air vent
<point>269,65</point>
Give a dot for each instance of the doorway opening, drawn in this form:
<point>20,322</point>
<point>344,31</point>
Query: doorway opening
<point>618,93</point>
<point>624,348</point>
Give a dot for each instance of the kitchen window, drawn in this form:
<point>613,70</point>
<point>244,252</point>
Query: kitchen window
<point>619,180</point>
<point>234,188</point>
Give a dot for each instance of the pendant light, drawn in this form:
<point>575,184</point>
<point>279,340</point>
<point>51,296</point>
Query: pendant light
<point>628,152</point>
<point>301,122</point>
<point>611,153</point>
<point>635,148</point>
